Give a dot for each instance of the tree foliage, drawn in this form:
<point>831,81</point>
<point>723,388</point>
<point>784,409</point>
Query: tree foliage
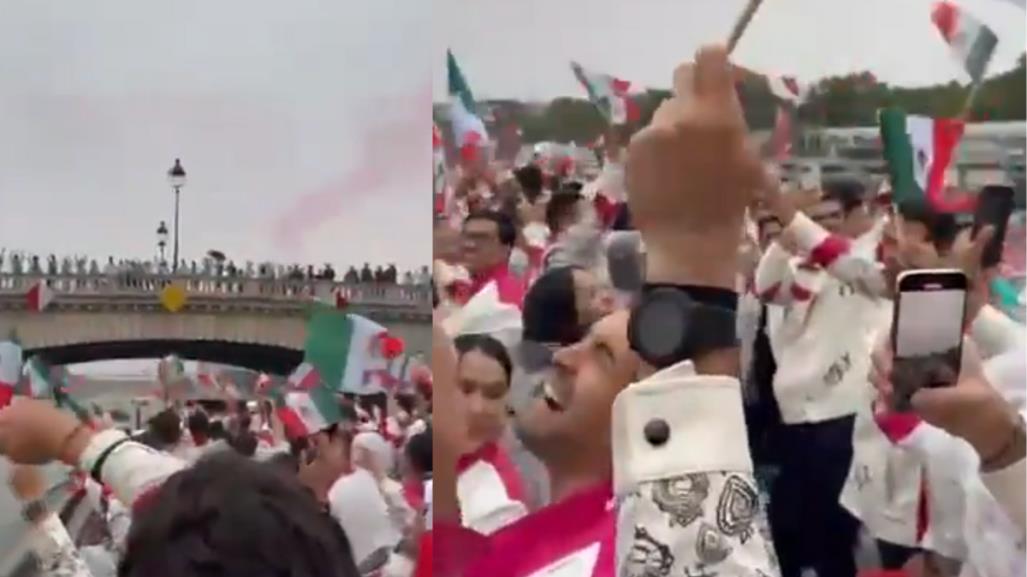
<point>850,100</point>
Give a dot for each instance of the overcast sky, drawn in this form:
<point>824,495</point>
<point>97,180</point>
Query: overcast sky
<point>302,126</point>
<point>522,49</point>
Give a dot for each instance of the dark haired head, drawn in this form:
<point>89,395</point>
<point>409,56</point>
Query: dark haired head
<point>245,443</point>
<point>562,209</point>
<point>228,515</point>
<point>406,401</point>
<point>199,425</point>
<point>419,453</point>
<point>505,227</point>
<point>217,431</point>
<point>165,428</point>
<point>550,312</point>
<point>850,193</point>
<point>942,228</point>
<point>487,346</point>
<point>531,179</point>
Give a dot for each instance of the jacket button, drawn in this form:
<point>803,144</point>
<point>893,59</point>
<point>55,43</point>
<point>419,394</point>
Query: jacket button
<point>656,432</point>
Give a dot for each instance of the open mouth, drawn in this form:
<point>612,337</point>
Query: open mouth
<point>550,398</point>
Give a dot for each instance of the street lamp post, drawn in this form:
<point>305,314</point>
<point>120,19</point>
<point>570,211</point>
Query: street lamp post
<point>162,239</point>
<point>176,177</point>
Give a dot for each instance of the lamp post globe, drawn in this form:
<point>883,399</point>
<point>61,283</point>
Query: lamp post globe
<point>176,178</point>
<point>162,238</point>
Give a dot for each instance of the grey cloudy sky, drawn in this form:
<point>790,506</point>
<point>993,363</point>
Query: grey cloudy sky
<point>521,49</point>
<point>302,125</point>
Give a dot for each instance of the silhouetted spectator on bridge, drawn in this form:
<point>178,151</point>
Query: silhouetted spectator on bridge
<point>366,275</point>
<point>51,265</point>
<point>391,274</point>
<point>351,276</point>
<point>424,277</point>
<point>34,268</point>
<point>379,274</point>
<point>408,278</point>
<point>329,272</point>
<point>232,271</point>
<point>310,272</point>
<point>16,263</point>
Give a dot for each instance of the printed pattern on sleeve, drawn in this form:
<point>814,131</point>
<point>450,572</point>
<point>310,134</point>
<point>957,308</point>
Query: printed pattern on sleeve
<point>695,525</point>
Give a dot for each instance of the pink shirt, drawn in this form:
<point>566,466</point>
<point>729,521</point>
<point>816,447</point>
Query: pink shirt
<point>582,525</point>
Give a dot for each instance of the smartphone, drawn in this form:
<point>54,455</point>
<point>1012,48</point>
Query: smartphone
<point>994,205</point>
<point>927,331</point>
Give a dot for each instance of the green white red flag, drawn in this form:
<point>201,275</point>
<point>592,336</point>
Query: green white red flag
<point>971,42</point>
<point>609,94</point>
<point>468,128</point>
<point>918,151</point>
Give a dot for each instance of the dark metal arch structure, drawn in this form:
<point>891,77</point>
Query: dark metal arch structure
<point>271,359</point>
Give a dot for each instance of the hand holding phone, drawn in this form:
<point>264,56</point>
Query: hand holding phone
<point>994,206</point>
<point>927,331</point>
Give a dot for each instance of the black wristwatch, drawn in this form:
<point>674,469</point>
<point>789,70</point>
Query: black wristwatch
<point>674,323</point>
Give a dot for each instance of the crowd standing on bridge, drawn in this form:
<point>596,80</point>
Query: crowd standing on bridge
<point>133,271</point>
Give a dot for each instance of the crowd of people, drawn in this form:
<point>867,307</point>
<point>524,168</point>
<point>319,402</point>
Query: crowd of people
<point>679,367</point>
<point>769,444</point>
<point>18,263</point>
<point>221,488</point>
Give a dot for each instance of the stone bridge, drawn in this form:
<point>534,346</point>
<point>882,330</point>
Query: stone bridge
<point>254,323</point>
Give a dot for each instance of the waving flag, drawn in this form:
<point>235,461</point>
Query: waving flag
<point>344,348</point>
<point>608,94</point>
<point>10,369</point>
<point>788,89</point>
<point>39,296</point>
<point>468,127</point>
<point>304,377</point>
<point>972,42</point>
<point>918,151</point>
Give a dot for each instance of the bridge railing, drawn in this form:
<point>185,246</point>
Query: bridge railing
<point>220,287</point>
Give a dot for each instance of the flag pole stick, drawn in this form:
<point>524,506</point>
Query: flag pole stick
<point>969,102</point>
<point>742,23</point>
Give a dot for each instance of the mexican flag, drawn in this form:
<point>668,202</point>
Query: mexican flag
<point>10,370</point>
<point>918,150</point>
<point>971,42</point>
<point>37,379</point>
<point>304,413</point>
<point>608,94</point>
<point>788,89</point>
<point>39,296</point>
<point>304,377</point>
<point>438,152</point>
<point>468,128</point>
<point>344,348</point>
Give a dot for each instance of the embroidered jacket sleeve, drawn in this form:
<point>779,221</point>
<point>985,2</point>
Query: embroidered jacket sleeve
<point>774,276</point>
<point>834,253</point>
<point>55,550</point>
<point>688,501</point>
<point>130,469</point>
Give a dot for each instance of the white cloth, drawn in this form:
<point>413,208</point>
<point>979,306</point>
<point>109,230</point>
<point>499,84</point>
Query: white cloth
<point>358,505</point>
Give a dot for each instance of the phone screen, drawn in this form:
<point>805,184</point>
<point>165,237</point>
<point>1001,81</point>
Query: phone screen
<point>928,341</point>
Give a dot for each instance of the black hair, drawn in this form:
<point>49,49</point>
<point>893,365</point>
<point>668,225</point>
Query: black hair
<point>489,347</point>
<point>418,451</point>
<point>217,431</point>
<point>561,205</point>
<point>942,227</point>
<point>165,427</point>
<point>245,443</point>
<point>406,401</point>
<point>504,224</point>
<point>850,193</point>
<point>550,313</point>
<point>199,424</point>
<point>530,178</point>
<point>228,515</point>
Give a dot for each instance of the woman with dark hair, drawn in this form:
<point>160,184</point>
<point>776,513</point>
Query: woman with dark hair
<point>489,487</point>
